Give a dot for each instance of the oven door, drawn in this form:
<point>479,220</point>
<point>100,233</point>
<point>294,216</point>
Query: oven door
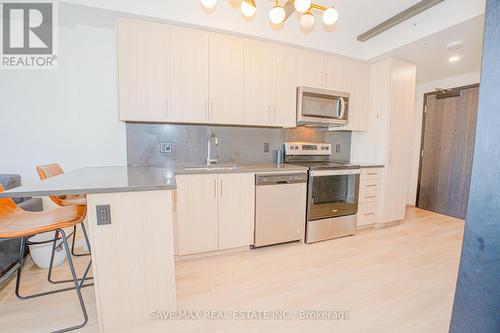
<point>332,193</point>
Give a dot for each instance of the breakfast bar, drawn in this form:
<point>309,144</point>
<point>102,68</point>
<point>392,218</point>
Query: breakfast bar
<point>129,214</point>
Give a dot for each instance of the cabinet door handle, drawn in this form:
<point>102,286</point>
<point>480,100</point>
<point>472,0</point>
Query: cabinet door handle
<point>371,185</point>
<point>221,188</point>
<point>371,173</point>
<point>211,114</point>
<point>274,114</point>
<point>206,109</point>
<point>269,114</point>
<point>167,111</point>
<point>370,196</point>
<point>215,188</point>
<point>326,79</point>
<point>367,214</point>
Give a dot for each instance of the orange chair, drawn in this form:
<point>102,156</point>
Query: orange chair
<point>18,223</point>
<point>51,170</point>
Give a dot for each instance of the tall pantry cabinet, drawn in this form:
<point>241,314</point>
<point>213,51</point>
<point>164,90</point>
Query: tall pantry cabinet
<point>389,135</point>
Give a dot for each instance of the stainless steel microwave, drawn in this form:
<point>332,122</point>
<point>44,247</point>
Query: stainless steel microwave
<point>322,107</point>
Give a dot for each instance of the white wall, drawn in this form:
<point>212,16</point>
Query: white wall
<point>67,115</point>
<point>452,82</point>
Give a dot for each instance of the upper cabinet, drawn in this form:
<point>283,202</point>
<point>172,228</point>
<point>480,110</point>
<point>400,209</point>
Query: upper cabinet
<point>338,74</point>
<point>188,75</point>
<point>181,75</point>
<point>225,79</point>
<point>270,84</point>
<point>143,70</point>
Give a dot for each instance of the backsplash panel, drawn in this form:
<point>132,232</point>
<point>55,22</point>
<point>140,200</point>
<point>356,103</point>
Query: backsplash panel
<point>236,144</point>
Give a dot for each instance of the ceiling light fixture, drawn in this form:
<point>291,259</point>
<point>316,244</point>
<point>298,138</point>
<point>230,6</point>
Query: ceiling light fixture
<point>277,14</point>
<point>208,3</point>
<point>454,59</point>
<point>302,5</point>
<point>248,8</point>
<point>330,16</point>
<point>280,13</point>
<point>307,20</point>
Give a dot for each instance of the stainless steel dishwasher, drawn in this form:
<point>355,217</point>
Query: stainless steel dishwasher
<point>280,207</point>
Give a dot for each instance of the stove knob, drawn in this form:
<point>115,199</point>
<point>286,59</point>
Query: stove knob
<point>296,147</point>
<point>292,148</point>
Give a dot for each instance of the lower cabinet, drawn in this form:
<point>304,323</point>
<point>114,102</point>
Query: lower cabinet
<point>369,196</point>
<point>214,212</point>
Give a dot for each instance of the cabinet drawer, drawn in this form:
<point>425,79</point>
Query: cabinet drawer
<point>368,213</point>
<point>371,173</point>
<point>369,196</point>
<point>369,185</point>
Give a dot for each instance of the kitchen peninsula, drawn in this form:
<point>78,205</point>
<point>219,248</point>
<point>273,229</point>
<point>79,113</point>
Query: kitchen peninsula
<point>132,242</point>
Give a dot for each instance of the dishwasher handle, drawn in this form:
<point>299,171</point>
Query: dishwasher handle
<point>280,179</point>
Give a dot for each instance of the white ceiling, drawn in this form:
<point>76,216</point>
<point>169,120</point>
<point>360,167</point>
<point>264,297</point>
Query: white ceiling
<point>432,60</point>
<point>356,16</point>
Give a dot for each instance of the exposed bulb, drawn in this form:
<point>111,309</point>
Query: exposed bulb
<point>330,16</point>
<point>307,20</point>
<point>248,8</point>
<point>277,14</point>
<point>302,5</point>
<point>208,3</point>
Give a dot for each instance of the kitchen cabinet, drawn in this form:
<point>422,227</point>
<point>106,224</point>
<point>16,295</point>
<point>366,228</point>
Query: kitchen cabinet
<point>236,210</point>
<point>392,98</point>
<point>226,79</point>
<point>196,213</point>
<point>370,188</point>
<point>259,95</point>
<point>189,75</point>
<point>143,70</point>
<point>285,86</point>
<point>312,69</point>
<point>270,83</point>
<point>174,74</point>
<point>214,212</point>
<point>401,107</point>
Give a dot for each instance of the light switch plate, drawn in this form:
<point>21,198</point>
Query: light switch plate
<point>165,147</point>
<point>103,214</point>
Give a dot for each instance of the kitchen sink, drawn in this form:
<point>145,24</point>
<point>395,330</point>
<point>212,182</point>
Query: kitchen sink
<point>210,167</point>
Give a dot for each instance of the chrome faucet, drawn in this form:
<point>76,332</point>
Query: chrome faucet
<point>211,138</point>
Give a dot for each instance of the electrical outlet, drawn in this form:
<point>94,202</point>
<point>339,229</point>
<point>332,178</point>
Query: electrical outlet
<point>337,148</point>
<point>165,147</point>
<point>266,147</point>
<point>103,214</point>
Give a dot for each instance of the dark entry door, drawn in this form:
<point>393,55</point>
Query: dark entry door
<point>448,133</point>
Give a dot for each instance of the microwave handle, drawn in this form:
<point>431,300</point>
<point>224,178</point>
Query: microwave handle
<point>341,107</point>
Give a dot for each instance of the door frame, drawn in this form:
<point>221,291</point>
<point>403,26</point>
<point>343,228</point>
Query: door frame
<point>422,131</point>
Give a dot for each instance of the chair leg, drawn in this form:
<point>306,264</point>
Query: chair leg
<point>18,278</point>
<point>73,245</point>
<point>77,286</point>
<point>54,247</point>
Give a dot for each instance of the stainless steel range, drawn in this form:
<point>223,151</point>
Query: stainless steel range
<point>332,191</point>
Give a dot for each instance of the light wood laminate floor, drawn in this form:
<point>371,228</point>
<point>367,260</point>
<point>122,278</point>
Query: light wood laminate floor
<point>396,279</point>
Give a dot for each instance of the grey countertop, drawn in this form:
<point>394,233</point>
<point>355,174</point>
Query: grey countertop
<point>128,179</point>
<point>99,180</point>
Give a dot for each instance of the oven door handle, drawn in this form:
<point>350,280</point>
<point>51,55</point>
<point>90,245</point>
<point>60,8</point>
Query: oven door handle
<point>320,173</point>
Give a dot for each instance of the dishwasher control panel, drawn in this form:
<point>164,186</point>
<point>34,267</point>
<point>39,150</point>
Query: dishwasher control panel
<point>279,178</point>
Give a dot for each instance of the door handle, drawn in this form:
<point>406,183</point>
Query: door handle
<point>221,188</point>
<point>215,188</point>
